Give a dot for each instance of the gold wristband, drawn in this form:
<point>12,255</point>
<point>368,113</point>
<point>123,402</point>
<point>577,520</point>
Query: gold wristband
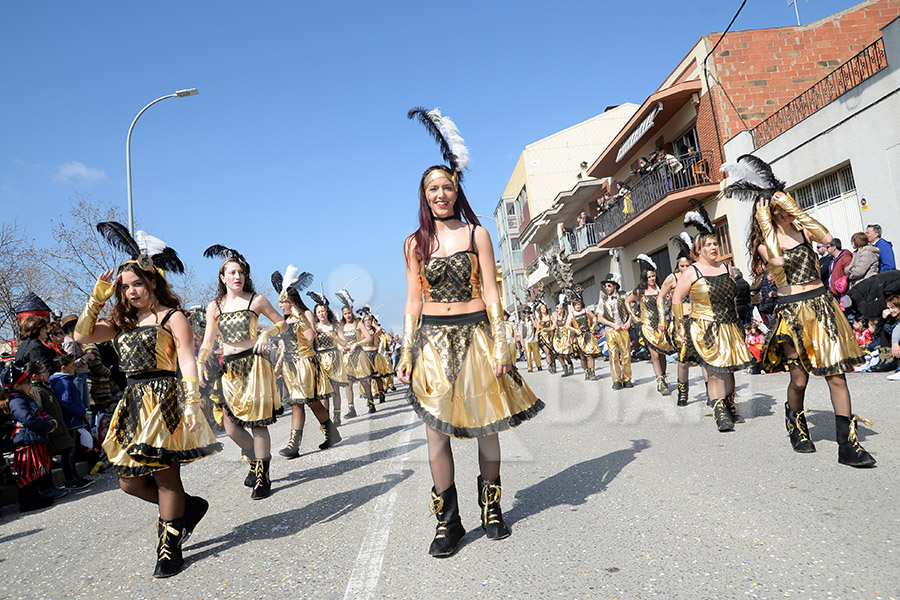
<point>103,290</point>
<point>190,388</point>
<point>788,205</point>
<point>502,354</point>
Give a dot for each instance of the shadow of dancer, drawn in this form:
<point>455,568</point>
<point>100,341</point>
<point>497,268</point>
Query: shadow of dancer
<point>574,485</point>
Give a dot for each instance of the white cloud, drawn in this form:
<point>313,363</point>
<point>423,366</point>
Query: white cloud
<point>77,172</point>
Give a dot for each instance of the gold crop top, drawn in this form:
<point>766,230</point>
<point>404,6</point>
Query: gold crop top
<point>239,325</point>
<point>326,341</point>
<point>582,322</point>
<point>147,348</point>
<point>454,278</point>
<point>650,311</point>
<point>714,298</point>
<point>295,345</point>
<point>801,265</point>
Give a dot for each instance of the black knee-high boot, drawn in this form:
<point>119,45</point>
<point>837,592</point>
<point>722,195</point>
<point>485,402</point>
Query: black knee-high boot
<point>168,551</point>
<point>732,408</point>
<point>263,486</point>
<point>682,394</point>
<point>449,530</point>
<point>491,515</point>
<point>722,415</point>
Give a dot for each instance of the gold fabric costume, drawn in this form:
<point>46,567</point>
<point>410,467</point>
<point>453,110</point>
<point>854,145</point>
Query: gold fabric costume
<point>714,338</point>
<point>238,326</point>
<point>249,390</point>
<point>545,336</point>
<point>454,278</point>
<point>813,323</point>
<point>357,364</point>
<point>649,321</point>
<point>453,386</point>
<point>299,368</point>
<point>330,361</point>
<point>586,342</point>
<point>562,341</point>
<point>619,345</point>
<point>147,431</point>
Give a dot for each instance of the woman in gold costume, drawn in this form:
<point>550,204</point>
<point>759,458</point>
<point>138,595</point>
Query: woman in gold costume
<point>358,367</point>
<point>647,295</point>
<point>297,362</point>
<point>581,323</point>
<point>682,262</point>
<point>249,391</point>
<point>562,337</point>
<point>809,333</point>
<point>455,355</point>
<point>713,338</point>
<point>543,323</point>
<point>330,343</point>
<point>380,367</point>
<point>158,424</point>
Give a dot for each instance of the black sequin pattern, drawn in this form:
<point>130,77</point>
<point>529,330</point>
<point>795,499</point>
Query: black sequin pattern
<point>238,326</point>
<point>452,343</point>
<point>165,390</point>
<point>449,277</point>
<point>137,349</point>
<point>801,265</point>
<point>722,295</point>
<point>649,311</point>
<point>289,336</point>
<point>324,341</point>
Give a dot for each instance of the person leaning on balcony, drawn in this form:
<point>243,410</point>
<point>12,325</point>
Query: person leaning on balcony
<point>613,312</point>
<point>809,333</point>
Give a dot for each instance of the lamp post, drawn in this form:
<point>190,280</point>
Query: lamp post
<point>178,94</point>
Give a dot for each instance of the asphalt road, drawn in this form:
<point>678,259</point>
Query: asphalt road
<point>610,495</point>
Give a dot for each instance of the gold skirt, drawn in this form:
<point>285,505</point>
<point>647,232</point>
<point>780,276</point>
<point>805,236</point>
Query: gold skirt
<point>545,339</point>
<point>332,365</point>
<point>717,347</point>
<point>147,431</point>
<point>656,339</point>
<point>562,343</point>
<point>587,344</point>
<point>302,378</point>
<point>380,364</point>
<point>357,365</point>
<point>813,323</point>
<point>453,386</point>
<point>249,390</point>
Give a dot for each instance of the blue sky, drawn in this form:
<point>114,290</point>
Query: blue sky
<point>297,148</point>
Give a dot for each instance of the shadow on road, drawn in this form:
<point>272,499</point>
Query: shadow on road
<point>21,534</point>
<point>574,485</point>
<point>379,434</point>
<point>290,522</point>
<point>758,405</point>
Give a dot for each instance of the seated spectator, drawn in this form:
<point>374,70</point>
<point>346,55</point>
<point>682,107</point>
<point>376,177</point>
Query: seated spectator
<point>886,260</point>
<point>862,332</point>
<point>755,342</point>
<point>891,317</point>
<point>34,343</point>
<point>62,382</point>
<point>864,263</point>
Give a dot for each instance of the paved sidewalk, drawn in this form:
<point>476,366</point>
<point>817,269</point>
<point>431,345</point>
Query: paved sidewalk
<point>610,495</point>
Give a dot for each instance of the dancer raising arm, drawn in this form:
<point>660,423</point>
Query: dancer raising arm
<point>455,354</point>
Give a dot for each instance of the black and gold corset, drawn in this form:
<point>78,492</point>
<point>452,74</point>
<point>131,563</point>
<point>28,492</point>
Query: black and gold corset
<point>650,311</point>
<point>714,298</point>
<point>546,324</point>
<point>454,278</point>
<point>325,341</point>
<point>239,325</point>
<point>147,348</point>
<point>351,335</point>
<point>582,322</point>
<point>801,265</point>
<point>296,346</point>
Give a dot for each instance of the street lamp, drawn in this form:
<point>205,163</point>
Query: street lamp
<point>178,94</point>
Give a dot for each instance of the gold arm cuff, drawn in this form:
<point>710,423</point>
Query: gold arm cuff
<point>190,387</point>
<point>88,318</point>
<point>502,352</point>
<point>788,205</point>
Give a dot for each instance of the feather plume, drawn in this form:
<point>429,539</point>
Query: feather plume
<point>745,191</point>
<point>643,258</point>
<point>291,274</point>
<point>318,298</point>
<point>696,220</point>
<point>743,171</point>
<point>117,236</point>
<point>562,299</point>
<point>304,280</point>
<point>148,244</point>
<point>450,132</point>
<point>223,252</point>
<point>345,298</point>
<point>168,260</point>
<point>277,281</point>
<point>683,242</point>
<point>365,310</point>
<point>686,239</point>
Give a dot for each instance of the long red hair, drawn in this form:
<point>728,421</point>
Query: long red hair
<point>426,241</point>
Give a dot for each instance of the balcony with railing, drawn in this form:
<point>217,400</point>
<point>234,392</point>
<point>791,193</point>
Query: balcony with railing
<point>656,198</point>
<point>840,81</point>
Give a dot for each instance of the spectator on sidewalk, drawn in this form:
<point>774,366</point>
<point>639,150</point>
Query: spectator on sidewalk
<point>837,281</point>
<point>743,297</point>
<point>824,262</point>
<point>82,358</point>
<point>865,260</point>
<point>886,260</point>
<point>62,382</point>
<point>34,343</point>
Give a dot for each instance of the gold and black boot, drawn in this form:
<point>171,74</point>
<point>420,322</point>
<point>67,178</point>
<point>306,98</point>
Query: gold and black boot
<point>195,509</point>
<point>263,486</point>
<point>682,394</point>
<point>292,450</point>
<point>350,413</point>
<point>495,528</point>
<point>371,402</point>
<point>850,452</point>
<point>336,418</point>
<point>587,374</point>
<point>722,415</point>
<point>662,386</point>
<point>798,431</point>
<point>332,435</point>
<point>732,408</point>
<point>168,551</point>
<point>449,530</point>
<point>250,479</point>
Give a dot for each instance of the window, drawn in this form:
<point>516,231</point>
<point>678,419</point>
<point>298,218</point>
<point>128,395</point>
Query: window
<point>825,189</point>
<point>514,242</point>
<point>686,140</point>
<point>723,236</point>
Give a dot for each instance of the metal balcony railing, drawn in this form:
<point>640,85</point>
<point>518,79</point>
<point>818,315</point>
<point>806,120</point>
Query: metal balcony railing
<point>686,171</point>
<point>843,79</point>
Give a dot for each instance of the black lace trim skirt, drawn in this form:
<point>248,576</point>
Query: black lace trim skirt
<point>453,386</point>
<point>249,390</point>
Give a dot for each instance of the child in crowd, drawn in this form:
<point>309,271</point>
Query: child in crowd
<point>755,342</point>
<point>892,323</point>
<point>62,382</point>
<point>31,426</point>
<point>862,332</point>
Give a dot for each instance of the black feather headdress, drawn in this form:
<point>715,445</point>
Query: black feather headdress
<point>292,283</point>
<point>446,134</point>
<point>146,251</point>
<point>683,242</point>
<point>699,218</point>
<point>226,254</point>
<point>345,298</point>
<point>752,178</point>
<point>365,311</point>
<point>318,298</point>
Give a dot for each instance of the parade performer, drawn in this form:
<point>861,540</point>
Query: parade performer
<point>530,340</point>
<point>383,359</point>
<point>713,338</point>
<point>646,294</point>
<point>612,311</point>
<point>809,333</point>
<point>581,322</point>
<point>455,355</point>
<point>371,347</point>
<point>543,322</point>
<point>329,343</point>
<point>248,380</point>
<point>297,362</point>
<point>159,423</point>
<point>562,337</point>
<point>683,261</point>
<point>358,367</point>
